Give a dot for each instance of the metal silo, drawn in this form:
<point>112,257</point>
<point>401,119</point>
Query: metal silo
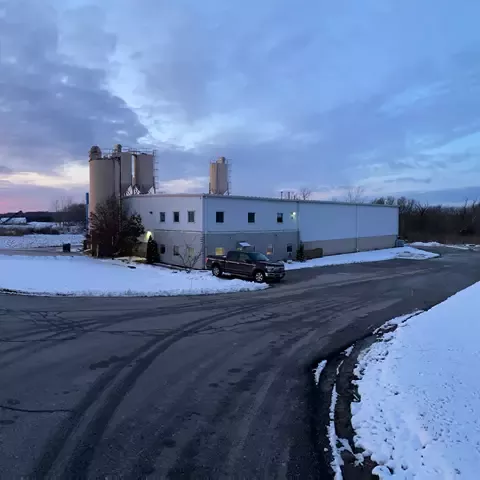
<point>104,177</point>
<point>219,184</point>
<point>144,171</point>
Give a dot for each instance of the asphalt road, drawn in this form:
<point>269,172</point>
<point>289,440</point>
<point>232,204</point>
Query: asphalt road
<point>201,387</point>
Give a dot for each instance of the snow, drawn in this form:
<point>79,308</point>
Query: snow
<point>337,461</point>
<point>418,415</point>
<point>362,257</point>
<point>38,240</point>
<point>436,244</point>
<point>85,276</point>
<point>349,350</point>
<point>318,371</point>
<point>13,221</point>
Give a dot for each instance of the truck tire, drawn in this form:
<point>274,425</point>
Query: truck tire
<point>259,276</point>
<point>216,270</point>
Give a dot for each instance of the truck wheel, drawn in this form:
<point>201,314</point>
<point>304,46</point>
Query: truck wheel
<point>217,271</point>
<point>259,276</point>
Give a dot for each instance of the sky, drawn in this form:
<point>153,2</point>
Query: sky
<point>326,95</point>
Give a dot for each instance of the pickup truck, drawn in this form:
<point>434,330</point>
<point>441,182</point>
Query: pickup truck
<point>253,265</point>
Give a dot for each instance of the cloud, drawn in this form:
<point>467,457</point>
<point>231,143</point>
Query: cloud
<point>52,108</point>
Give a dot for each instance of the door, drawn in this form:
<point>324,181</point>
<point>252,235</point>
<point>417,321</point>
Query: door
<point>245,264</point>
<point>232,265</point>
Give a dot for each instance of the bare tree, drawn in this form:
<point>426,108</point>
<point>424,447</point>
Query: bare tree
<point>355,195</point>
<point>305,193</point>
<point>189,256</point>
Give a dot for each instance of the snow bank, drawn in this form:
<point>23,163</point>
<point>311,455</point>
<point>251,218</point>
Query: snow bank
<point>418,415</point>
<point>88,277</point>
<point>363,257</point>
<point>39,240</point>
<point>436,244</point>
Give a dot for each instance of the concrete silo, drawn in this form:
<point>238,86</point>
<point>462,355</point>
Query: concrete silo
<point>219,177</point>
<point>104,177</point>
<point>144,175</point>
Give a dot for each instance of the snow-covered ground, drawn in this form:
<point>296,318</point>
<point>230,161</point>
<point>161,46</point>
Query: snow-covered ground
<point>25,226</point>
<point>39,240</point>
<point>89,277</point>
<point>13,221</point>
<point>419,412</point>
<point>437,244</point>
<point>362,257</point>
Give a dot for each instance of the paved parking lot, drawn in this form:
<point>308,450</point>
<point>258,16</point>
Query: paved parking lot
<point>203,387</point>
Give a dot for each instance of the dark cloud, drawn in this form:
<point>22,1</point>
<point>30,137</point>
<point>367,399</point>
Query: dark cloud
<point>52,109</point>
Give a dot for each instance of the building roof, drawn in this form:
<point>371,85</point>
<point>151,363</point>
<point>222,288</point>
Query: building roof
<point>264,199</point>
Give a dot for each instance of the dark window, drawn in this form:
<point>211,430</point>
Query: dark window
<point>251,217</point>
<point>191,217</point>
<point>289,248</point>
<point>176,217</point>
<point>244,257</point>
<point>279,217</point>
<point>176,251</point>
<point>258,257</point>
<point>219,217</point>
<point>232,256</point>
<point>162,216</point>
<point>162,248</point>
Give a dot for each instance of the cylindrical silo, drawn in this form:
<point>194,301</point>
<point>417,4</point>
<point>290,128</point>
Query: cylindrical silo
<point>219,177</point>
<point>104,177</point>
<point>144,171</point>
<point>126,171</point>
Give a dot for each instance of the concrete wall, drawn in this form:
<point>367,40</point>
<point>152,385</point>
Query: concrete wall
<point>260,240</point>
<point>348,245</point>
<point>236,215</point>
<point>171,238</point>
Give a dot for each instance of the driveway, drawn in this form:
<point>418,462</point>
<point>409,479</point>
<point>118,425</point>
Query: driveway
<point>200,387</point>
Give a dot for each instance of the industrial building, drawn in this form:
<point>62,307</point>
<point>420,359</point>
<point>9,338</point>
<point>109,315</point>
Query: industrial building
<point>200,225</point>
<point>188,227</point>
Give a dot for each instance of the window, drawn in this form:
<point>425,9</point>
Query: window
<point>176,251</point>
<point>162,217</point>
<point>289,248</point>
<point>251,217</point>
<point>219,217</point>
<point>190,252</point>
<point>244,257</point>
<point>279,217</point>
<point>163,249</point>
<point>176,217</point>
<point>219,251</point>
<point>191,217</point>
<point>270,249</point>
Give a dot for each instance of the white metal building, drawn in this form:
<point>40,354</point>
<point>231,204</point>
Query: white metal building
<point>196,225</point>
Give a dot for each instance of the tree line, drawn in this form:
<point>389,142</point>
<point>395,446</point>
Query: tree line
<point>447,224</point>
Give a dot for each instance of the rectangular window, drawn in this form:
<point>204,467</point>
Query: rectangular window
<point>162,217</point>
<point>190,252</point>
<point>163,249</point>
<point>176,250</point>
<point>270,250</point>
<point>279,217</point>
<point>176,217</point>
<point>219,251</point>
<point>219,217</point>
<point>289,248</point>
<point>251,217</point>
<point>191,217</point>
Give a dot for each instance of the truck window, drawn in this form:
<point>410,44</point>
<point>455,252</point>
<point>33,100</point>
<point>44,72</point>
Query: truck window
<point>244,257</point>
<point>233,256</point>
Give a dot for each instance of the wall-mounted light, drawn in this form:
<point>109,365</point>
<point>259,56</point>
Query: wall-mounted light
<point>293,215</point>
